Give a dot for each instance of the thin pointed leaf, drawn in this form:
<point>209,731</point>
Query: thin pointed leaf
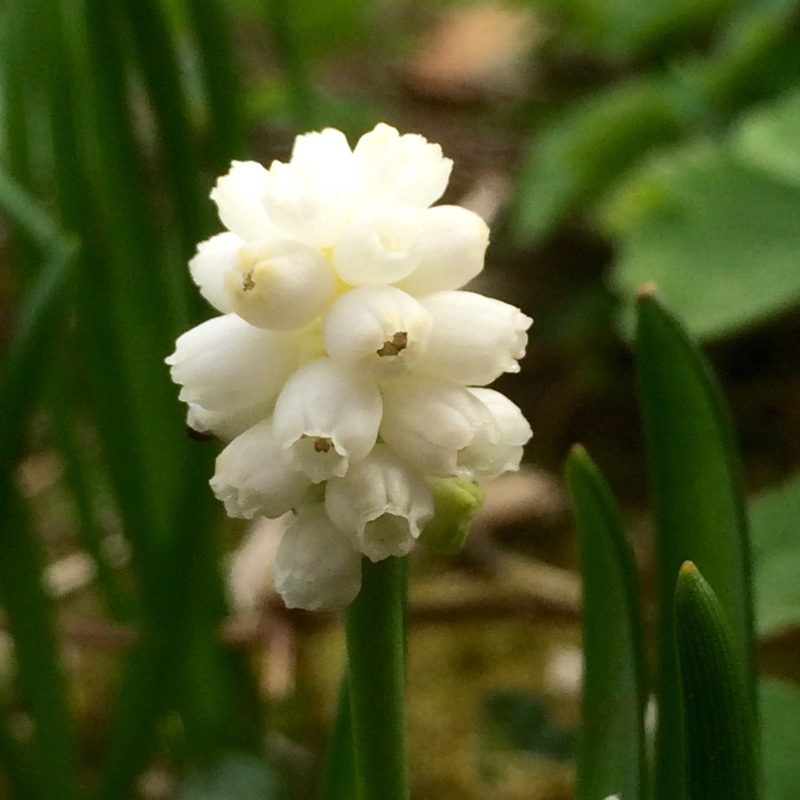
<point>699,506</point>
<point>41,678</point>
<point>611,758</point>
<point>721,741</point>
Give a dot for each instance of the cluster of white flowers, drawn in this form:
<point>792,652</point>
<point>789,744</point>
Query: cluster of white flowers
<point>346,370</point>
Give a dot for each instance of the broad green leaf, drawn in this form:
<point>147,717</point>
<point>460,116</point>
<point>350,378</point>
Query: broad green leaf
<point>626,28</point>
<point>611,758</point>
<point>698,502</point>
<point>721,740</point>
<point>769,140</point>
<point>775,519</point>
<point>714,227</point>
<point>576,159</point>
<point>780,727</point>
<point>754,59</point>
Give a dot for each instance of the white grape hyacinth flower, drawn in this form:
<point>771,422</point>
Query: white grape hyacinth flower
<point>347,369</point>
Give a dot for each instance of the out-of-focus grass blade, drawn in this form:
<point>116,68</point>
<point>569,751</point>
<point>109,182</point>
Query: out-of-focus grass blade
<point>721,741</point>
<point>23,361</point>
<point>40,675</point>
<point>339,778</point>
<point>158,60</point>
<point>212,25</point>
<point>16,767</point>
<point>66,433</point>
<point>611,757</point>
<point>699,506</point>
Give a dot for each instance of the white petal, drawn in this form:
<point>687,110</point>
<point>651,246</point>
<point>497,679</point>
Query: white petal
<point>381,504</point>
<point>379,246</point>
<point>316,567</point>
<point>280,284</point>
<point>238,197</point>
<point>390,168</point>
<point>451,247</point>
<point>324,155</point>
<point>325,416</point>
<point>252,479</point>
<point>302,207</point>
<point>215,258</point>
<point>230,372</point>
<point>474,339</point>
<point>428,423</point>
<point>376,329</point>
<point>497,449</point>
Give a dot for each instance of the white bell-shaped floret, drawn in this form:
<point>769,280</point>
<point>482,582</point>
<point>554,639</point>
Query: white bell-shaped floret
<point>280,284</point>
<point>325,416</point>
<point>323,156</point>
<point>238,197</point>
<point>474,339</point>
<point>428,422</point>
<point>376,329</point>
<point>381,504</point>
<point>303,208</point>
<point>451,247</point>
<point>251,478</point>
<point>379,246</point>
<point>214,260</point>
<point>497,448</point>
<point>230,373</point>
<point>390,168</point>
<point>316,566</point>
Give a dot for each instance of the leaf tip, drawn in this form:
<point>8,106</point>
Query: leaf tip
<point>688,569</point>
<point>647,291</point>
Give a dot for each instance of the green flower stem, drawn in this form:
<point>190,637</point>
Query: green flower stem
<point>376,664</point>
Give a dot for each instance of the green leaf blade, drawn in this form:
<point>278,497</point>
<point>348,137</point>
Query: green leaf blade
<point>612,750</point>
<point>698,502</point>
<point>721,741</point>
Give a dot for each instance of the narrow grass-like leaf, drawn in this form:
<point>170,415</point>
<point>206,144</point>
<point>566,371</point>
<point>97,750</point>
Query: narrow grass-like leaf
<point>699,506</point>
<point>22,364</point>
<point>212,24</point>
<point>158,60</point>
<point>41,679</point>
<point>339,777</point>
<point>611,758</point>
<point>721,741</point>
<point>61,405</point>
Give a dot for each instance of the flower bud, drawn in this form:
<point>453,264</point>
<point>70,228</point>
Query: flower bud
<point>456,502</point>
